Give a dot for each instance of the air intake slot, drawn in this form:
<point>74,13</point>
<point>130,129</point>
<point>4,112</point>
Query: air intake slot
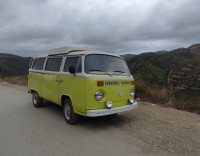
<point>125,82</point>
<point>112,83</point>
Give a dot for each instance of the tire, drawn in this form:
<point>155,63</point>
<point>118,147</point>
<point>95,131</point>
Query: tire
<point>36,100</point>
<point>68,111</point>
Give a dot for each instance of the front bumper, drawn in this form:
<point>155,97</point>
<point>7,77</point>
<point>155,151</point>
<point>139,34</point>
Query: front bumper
<point>103,112</point>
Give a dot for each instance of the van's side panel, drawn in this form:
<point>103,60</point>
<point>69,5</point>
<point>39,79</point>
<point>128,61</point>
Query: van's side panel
<point>35,82</point>
<point>111,92</point>
<point>50,87</point>
<point>74,87</point>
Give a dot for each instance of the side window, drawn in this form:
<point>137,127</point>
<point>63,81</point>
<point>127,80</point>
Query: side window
<point>73,61</point>
<point>38,64</point>
<point>53,64</point>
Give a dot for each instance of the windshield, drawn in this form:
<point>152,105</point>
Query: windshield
<point>105,64</point>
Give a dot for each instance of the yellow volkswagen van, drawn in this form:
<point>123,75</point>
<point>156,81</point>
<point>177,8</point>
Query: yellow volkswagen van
<point>83,81</point>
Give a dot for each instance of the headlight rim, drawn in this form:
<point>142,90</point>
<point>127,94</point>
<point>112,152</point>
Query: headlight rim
<point>96,95</point>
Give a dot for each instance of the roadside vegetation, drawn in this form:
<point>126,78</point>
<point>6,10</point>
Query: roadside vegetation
<point>169,78</point>
<point>188,99</point>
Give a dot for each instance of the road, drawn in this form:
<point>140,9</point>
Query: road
<point>25,130</point>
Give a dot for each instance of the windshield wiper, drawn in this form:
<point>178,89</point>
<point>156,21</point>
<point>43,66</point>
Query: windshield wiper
<point>100,71</point>
<point>118,71</point>
<point>96,70</point>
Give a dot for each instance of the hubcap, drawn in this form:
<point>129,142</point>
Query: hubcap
<point>67,112</point>
<point>35,98</point>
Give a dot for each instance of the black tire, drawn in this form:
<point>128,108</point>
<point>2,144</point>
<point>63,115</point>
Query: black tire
<point>68,111</point>
<point>36,100</point>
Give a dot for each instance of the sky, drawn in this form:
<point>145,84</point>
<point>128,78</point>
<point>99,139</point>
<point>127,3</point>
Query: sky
<point>32,27</point>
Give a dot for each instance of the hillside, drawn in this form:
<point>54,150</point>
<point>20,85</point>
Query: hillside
<point>12,65</point>
<point>173,74</point>
<point>127,57</point>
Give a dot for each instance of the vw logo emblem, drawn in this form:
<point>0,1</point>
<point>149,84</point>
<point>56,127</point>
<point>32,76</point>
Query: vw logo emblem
<point>121,92</point>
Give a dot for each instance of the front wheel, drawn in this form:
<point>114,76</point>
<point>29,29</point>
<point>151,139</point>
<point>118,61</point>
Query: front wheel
<point>36,100</point>
<point>69,114</point>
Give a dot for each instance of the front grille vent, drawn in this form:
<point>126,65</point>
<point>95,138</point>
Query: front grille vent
<point>117,83</point>
<point>126,82</point>
<point>112,83</point>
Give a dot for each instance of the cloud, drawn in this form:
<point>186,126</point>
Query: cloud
<point>31,28</point>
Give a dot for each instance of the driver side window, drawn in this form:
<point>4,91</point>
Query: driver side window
<point>73,61</point>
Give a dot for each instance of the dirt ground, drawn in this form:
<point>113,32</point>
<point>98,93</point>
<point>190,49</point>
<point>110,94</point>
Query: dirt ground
<point>173,130</point>
<point>18,80</point>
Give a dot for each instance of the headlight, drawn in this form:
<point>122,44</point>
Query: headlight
<point>132,92</point>
<point>99,95</point>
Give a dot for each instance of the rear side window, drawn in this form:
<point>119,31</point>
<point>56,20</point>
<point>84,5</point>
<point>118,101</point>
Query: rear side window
<point>53,64</point>
<point>73,61</point>
<point>38,64</point>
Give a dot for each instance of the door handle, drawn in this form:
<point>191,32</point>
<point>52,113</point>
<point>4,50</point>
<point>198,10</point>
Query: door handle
<point>59,80</point>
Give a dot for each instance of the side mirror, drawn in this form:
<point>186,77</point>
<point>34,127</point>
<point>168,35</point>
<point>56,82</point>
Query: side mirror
<point>72,70</point>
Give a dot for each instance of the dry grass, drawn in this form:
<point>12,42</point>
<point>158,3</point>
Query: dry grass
<point>152,94</point>
<point>19,80</point>
<point>163,97</point>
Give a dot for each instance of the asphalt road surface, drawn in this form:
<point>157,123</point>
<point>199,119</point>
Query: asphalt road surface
<point>29,131</point>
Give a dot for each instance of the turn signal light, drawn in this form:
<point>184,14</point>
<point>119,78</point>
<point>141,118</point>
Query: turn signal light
<point>133,82</point>
<point>100,83</point>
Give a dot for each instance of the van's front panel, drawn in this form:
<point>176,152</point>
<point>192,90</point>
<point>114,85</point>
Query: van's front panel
<point>110,86</point>
<point>116,90</point>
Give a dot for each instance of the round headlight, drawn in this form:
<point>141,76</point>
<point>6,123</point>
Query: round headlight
<point>132,92</point>
<point>99,95</point>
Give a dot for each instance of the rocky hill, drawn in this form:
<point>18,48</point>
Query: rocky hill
<point>177,72</point>
<point>12,65</point>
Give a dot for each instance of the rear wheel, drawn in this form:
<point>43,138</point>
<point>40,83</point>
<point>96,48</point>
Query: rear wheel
<point>69,114</point>
<point>36,100</point>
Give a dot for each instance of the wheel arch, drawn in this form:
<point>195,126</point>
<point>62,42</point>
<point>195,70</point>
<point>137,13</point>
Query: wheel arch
<point>64,97</point>
<point>32,91</point>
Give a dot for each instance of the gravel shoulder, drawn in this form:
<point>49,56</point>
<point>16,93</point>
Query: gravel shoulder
<point>173,130</point>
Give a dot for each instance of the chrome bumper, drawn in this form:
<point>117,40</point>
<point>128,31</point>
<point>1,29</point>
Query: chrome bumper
<point>102,112</point>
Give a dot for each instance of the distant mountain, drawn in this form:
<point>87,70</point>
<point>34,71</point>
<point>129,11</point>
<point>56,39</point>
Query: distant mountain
<point>12,65</point>
<point>177,71</point>
<point>127,56</point>
<point>179,68</point>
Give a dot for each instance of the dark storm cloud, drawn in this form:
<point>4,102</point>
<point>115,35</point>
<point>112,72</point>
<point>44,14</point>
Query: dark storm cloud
<point>31,28</point>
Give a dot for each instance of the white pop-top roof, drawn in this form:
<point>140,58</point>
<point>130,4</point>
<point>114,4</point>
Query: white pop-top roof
<point>65,50</point>
<point>75,51</point>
